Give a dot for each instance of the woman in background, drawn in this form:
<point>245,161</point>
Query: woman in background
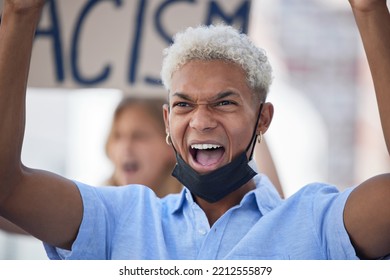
<point>137,148</point>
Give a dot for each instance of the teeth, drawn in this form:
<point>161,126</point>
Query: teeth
<point>205,146</point>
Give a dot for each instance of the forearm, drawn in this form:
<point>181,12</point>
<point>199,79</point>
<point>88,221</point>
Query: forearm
<point>374,27</point>
<point>366,212</point>
<point>16,38</point>
<point>44,204</point>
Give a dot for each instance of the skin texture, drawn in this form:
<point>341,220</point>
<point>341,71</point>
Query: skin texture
<point>49,206</point>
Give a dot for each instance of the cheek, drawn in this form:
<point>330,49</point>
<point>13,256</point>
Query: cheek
<point>161,153</point>
<point>178,126</point>
<point>144,149</point>
<point>150,150</point>
<point>241,136</point>
<point>113,152</point>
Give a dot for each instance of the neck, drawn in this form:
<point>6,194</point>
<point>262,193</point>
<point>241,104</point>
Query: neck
<point>215,210</point>
<point>167,186</point>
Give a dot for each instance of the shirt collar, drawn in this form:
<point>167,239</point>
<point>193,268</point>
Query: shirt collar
<point>265,194</point>
<point>267,197</point>
<point>184,194</point>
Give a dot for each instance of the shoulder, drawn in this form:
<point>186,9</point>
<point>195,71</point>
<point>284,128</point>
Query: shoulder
<point>320,191</point>
<point>317,193</point>
<point>320,202</point>
<point>130,196</point>
<point>313,202</point>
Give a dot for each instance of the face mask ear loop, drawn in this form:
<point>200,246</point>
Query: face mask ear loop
<point>254,136</point>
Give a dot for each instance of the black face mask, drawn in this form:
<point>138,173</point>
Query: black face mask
<point>219,183</point>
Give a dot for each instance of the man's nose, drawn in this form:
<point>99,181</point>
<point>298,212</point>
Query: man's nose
<point>202,118</point>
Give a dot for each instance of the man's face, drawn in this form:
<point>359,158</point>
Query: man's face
<point>212,113</point>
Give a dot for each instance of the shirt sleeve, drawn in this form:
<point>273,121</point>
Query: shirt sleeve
<point>328,215</point>
<point>97,226</point>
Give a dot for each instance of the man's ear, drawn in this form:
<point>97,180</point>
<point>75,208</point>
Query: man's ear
<point>166,117</point>
<point>267,114</point>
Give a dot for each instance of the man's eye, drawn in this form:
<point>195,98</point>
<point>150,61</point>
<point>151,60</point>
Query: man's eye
<point>181,104</point>
<point>225,103</point>
<point>182,107</point>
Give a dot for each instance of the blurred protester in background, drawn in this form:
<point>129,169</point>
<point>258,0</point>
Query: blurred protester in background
<point>136,146</point>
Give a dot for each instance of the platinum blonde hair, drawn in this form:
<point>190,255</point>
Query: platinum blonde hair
<point>218,42</point>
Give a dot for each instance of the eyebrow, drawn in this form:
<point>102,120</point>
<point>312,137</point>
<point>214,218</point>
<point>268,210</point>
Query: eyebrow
<point>182,96</point>
<point>221,95</point>
<point>224,94</point>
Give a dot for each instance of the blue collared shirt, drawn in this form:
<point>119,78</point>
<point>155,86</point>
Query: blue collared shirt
<point>132,223</point>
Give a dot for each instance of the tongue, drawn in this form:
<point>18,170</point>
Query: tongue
<point>208,157</point>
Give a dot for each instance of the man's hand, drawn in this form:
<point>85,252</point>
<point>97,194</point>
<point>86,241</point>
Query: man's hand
<point>21,6</point>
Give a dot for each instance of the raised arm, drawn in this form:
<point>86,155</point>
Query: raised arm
<point>367,212</point>
<point>45,205</point>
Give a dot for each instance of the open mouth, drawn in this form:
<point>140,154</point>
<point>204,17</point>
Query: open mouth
<point>130,167</point>
<point>207,154</point>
